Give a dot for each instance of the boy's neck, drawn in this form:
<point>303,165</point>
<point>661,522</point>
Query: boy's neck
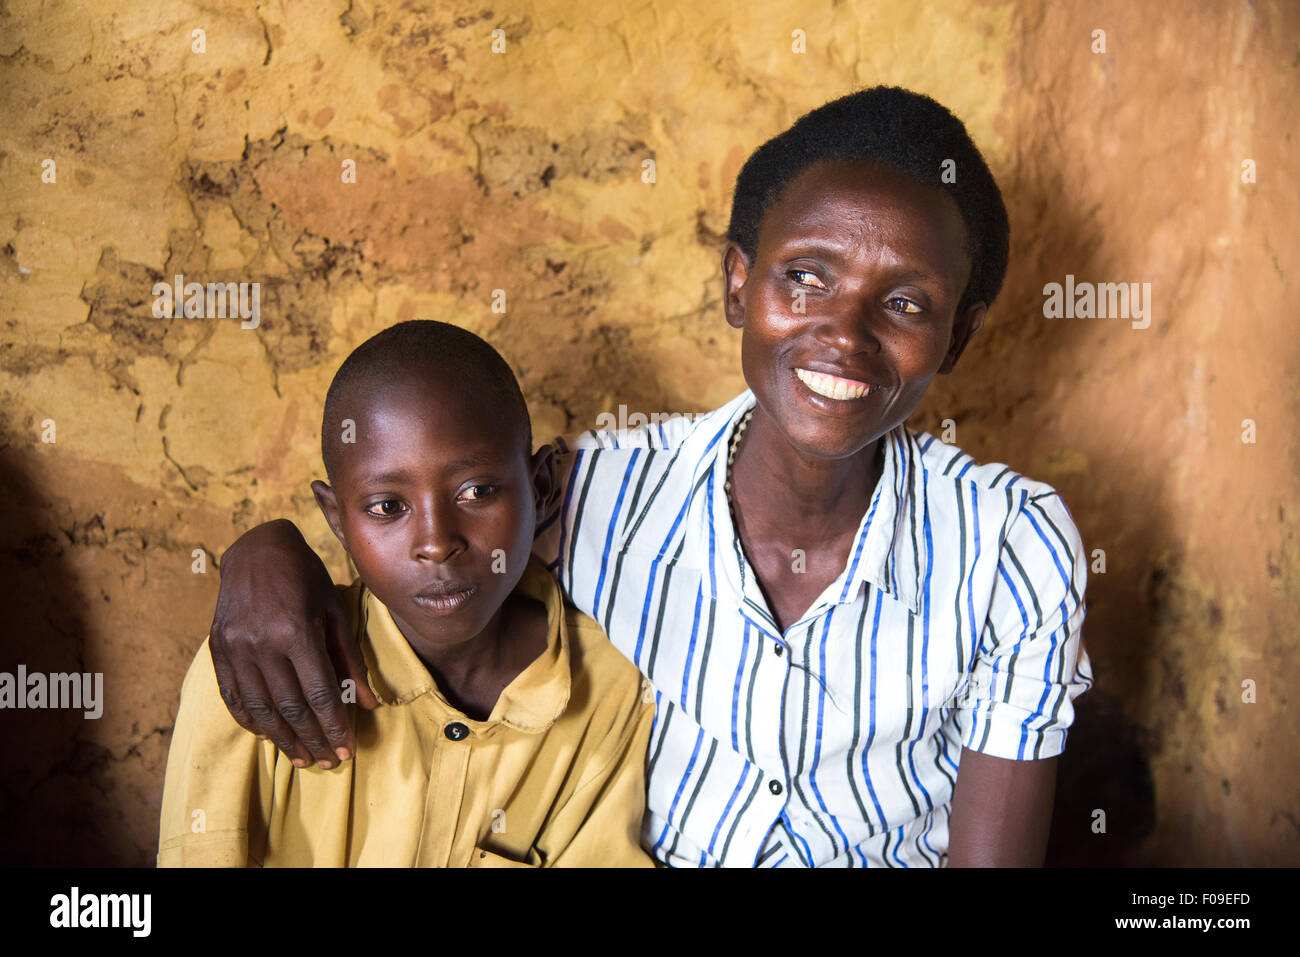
<point>472,675</point>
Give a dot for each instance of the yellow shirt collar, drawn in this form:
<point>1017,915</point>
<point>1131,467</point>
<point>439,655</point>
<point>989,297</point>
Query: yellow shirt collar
<point>532,702</point>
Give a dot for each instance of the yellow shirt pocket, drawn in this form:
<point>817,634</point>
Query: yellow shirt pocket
<point>482,857</point>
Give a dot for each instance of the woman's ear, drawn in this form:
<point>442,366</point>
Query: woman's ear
<point>329,506</point>
<point>545,487</point>
<point>964,327</point>
<point>735,271</point>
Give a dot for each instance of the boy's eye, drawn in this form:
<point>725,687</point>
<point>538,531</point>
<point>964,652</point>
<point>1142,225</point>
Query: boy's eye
<point>386,509</point>
<point>906,303</point>
<point>474,493</point>
<point>798,274</point>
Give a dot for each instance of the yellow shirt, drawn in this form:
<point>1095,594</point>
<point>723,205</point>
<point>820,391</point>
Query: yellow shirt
<point>554,777</point>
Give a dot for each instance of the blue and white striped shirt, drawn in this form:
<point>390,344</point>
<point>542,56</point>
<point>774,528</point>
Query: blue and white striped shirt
<point>955,623</point>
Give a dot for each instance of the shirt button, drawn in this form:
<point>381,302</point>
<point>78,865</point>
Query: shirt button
<point>774,786</point>
<point>780,649</point>
<point>456,731</point>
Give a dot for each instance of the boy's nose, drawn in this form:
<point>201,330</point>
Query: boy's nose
<point>438,537</point>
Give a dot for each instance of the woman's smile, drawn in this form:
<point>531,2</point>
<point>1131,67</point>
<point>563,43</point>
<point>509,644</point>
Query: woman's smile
<point>835,387</point>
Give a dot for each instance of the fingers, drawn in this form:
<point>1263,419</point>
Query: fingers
<point>295,702</point>
<point>259,701</point>
<point>250,703</point>
<point>326,697</point>
<point>292,703</point>
<point>229,686</point>
<point>345,654</point>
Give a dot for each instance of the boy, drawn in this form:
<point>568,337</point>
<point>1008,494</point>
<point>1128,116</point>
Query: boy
<point>509,731</point>
<point>865,646</point>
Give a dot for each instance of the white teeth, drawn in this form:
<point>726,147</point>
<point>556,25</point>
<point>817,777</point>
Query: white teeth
<point>832,387</point>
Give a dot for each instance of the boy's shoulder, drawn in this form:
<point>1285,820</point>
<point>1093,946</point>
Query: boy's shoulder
<point>595,661</point>
<point>609,700</point>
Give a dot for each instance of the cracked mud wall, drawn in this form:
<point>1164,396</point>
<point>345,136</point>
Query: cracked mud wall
<point>522,171</point>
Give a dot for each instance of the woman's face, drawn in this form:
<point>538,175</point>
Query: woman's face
<point>849,308</point>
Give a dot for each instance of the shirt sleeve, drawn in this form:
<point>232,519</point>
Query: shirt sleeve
<point>600,824</point>
<point>217,791</point>
<point>572,463</point>
<point>635,430</point>
<point>1031,662</point>
<point>585,467</point>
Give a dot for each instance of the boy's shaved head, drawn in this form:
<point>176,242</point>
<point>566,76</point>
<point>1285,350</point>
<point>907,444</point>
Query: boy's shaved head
<point>897,128</point>
<point>428,349</point>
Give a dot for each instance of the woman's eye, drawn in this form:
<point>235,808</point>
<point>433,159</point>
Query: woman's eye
<point>476,492</point>
<point>907,305</point>
<point>797,274</point>
<point>385,509</point>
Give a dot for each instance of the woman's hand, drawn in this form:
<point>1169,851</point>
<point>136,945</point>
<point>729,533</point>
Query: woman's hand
<point>280,641</point>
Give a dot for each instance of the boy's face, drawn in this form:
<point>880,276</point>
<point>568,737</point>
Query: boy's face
<point>849,308</point>
<point>436,503</point>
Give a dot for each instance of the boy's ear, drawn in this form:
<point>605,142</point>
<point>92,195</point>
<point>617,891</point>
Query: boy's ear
<point>964,328</point>
<point>329,506</point>
<point>735,271</point>
<point>545,486</point>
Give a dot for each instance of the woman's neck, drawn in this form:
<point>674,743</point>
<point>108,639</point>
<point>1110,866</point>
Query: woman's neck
<point>787,495</point>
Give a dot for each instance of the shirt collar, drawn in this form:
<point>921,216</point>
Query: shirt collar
<point>888,550</point>
<point>532,702</point>
<point>891,544</point>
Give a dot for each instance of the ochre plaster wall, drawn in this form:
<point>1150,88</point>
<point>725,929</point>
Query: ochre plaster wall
<point>522,171</point>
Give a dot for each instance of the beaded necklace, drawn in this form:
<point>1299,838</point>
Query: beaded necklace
<point>731,458</point>
<point>734,447</point>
